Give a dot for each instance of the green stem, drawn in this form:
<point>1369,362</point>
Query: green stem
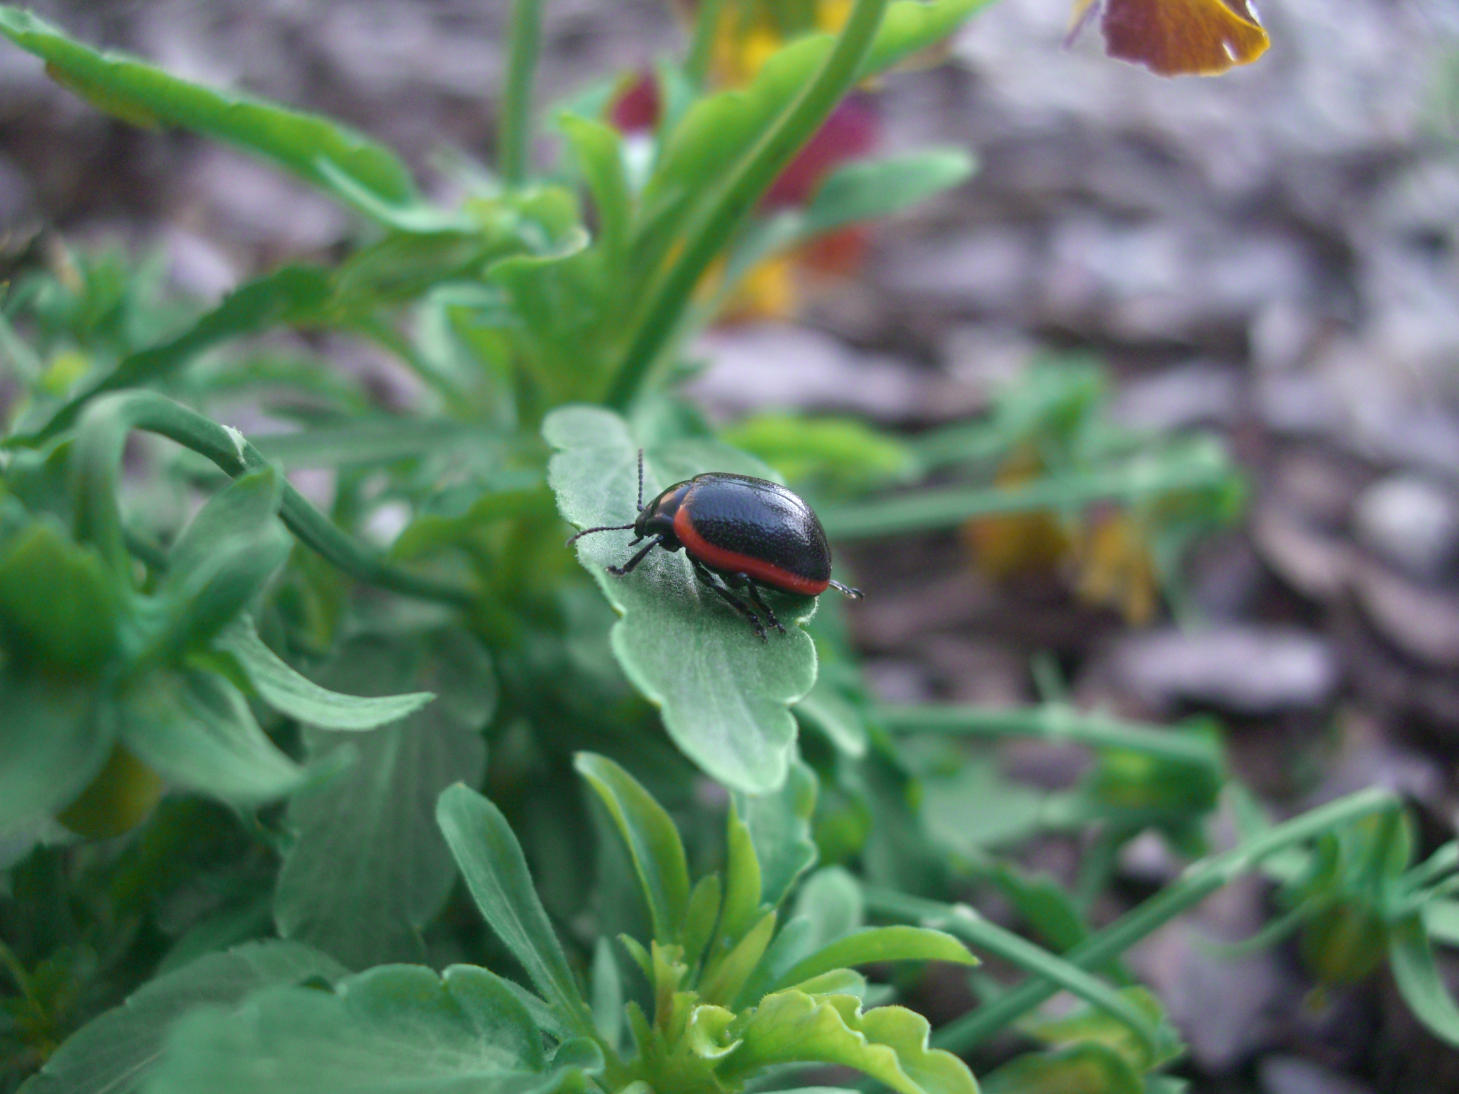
<point>1202,467</point>
<point>1199,881</point>
<point>988,937</point>
<point>701,45</point>
<point>1052,722</point>
<point>516,113</point>
<point>706,236</point>
<point>100,438</point>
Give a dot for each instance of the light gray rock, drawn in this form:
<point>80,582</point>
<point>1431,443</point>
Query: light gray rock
<point>1412,523</point>
<point>1295,1075</point>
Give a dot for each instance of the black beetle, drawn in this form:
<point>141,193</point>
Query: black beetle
<point>738,532</point>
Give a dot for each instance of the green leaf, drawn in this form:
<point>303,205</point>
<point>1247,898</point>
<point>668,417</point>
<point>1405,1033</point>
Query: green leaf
<point>871,189</point>
<point>368,867</point>
<point>701,916</point>
<point>196,731</point>
<point>724,693</point>
<point>115,1053</point>
<point>780,829</point>
<point>912,25</point>
<point>598,150</point>
<point>399,1029</point>
<point>223,559</point>
<point>53,742</point>
<point>742,881</point>
<point>491,861</point>
<point>872,944</point>
<point>302,143</point>
<point>887,1043</point>
<point>653,842</point>
<point>826,709</point>
<point>1088,1068</point>
<point>1093,1023</point>
<point>288,692</point>
<point>1411,957</point>
<point>57,605</point>
<point>725,977</point>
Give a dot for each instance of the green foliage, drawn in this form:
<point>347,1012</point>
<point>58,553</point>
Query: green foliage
<point>232,712</point>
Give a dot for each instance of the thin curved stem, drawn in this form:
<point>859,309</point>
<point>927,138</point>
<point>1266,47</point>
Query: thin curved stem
<point>718,220</point>
<point>516,114</point>
<point>100,438</point>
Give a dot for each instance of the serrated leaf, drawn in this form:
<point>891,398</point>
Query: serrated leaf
<point>139,92</point>
<point>491,861</point>
<point>399,1029</point>
<point>290,693</point>
<point>871,189</point>
<point>887,1043</point>
<point>114,1053</point>
<point>1080,1069</point>
<point>653,842</point>
<point>53,742</point>
<point>872,944</point>
<point>196,731</point>
<point>780,829</point>
<point>1097,1024</point>
<point>368,867</point>
<point>724,693</point>
<point>58,608</point>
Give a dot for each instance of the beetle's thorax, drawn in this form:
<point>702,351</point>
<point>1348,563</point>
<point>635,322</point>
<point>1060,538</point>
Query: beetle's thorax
<point>657,517</point>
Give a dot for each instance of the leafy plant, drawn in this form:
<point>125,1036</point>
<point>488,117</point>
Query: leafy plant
<point>278,709</point>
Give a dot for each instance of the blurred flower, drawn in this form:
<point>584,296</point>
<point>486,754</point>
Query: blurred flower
<point>1177,37</point>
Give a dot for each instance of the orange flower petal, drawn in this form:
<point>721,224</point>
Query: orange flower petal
<point>1182,37</point>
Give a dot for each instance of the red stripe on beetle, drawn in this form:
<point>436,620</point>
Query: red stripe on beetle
<point>732,562</point>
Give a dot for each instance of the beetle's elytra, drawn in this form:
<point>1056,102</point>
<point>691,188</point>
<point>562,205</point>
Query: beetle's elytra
<point>739,533</point>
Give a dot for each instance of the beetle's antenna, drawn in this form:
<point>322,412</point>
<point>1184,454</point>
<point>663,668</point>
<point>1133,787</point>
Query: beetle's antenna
<point>602,528</point>
<point>640,480</point>
<point>847,590</point>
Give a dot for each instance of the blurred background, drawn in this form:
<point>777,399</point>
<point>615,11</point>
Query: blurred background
<point>1272,255</point>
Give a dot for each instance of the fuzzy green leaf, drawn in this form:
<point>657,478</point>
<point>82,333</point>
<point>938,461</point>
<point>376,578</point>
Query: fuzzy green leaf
<point>290,693</point>
<point>196,731</point>
<point>368,867</point>
<point>114,1053</point>
<point>140,93</point>
<point>780,829</point>
<point>887,1043</point>
<point>58,608</point>
<point>399,1029</point>
<point>653,842</point>
<point>724,693</point>
<point>495,870</point>
<point>52,743</point>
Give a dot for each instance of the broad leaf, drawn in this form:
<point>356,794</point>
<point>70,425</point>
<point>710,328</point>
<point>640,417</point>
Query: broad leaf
<point>52,743</point>
<point>288,692</point>
<point>398,1028</point>
<point>58,608</point>
<point>1088,1068</point>
<point>491,861</point>
<point>653,842</point>
<point>887,1043</point>
<point>780,830</point>
<point>196,731</point>
<point>598,150</point>
<point>368,867</point>
<point>115,1053</point>
<point>138,92</point>
<point>724,692</point>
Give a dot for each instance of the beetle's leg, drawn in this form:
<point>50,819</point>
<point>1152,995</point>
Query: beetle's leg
<point>709,579</point>
<point>627,568</point>
<point>847,590</point>
<point>759,602</point>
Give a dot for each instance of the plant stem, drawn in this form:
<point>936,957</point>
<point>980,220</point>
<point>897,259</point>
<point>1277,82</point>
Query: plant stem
<point>102,434</point>
<point>707,234</point>
<point>516,113</point>
<point>1199,881</point>
<point>1201,467</point>
<point>1053,722</point>
<point>701,45</point>
<point>965,923</point>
